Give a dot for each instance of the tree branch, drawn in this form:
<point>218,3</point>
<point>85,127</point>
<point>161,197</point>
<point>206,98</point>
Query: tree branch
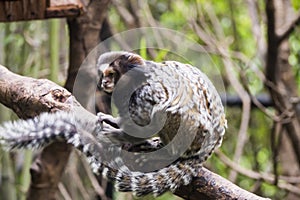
<point>284,182</point>
<point>287,32</point>
<point>208,185</point>
<point>29,97</point>
<point>40,95</point>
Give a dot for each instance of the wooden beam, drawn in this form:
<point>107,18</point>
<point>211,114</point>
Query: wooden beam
<point>65,8</point>
<point>20,10</point>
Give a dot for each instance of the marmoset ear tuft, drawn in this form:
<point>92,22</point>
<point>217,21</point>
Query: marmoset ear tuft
<point>135,59</point>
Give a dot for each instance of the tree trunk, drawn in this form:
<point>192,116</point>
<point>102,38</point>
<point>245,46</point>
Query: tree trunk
<point>282,85</point>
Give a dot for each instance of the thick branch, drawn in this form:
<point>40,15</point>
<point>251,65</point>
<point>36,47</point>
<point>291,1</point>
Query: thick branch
<point>29,97</point>
<point>208,185</point>
<point>47,96</point>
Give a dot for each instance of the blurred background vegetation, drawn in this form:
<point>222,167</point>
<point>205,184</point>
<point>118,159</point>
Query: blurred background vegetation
<point>234,35</point>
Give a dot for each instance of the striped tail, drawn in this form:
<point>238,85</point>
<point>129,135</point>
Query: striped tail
<point>157,182</point>
<point>62,126</point>
<point>39,131</point>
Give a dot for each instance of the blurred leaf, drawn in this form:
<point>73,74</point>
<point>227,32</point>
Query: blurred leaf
<point>296,4</point>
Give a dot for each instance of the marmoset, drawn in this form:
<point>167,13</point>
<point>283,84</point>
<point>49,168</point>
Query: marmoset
<point>171,101</point>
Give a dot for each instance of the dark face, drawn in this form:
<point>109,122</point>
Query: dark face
<point>109,79</point>
<point>111,73</point>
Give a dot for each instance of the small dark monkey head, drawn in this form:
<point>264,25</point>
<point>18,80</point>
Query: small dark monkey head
<point>111,66</point>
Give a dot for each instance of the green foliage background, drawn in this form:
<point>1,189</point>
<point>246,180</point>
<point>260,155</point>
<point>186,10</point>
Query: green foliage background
<point>40,49</point>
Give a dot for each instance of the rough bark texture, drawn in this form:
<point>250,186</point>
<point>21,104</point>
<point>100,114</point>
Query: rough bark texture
<point>38,9</point>
<point>29,97</point>
<point>22,10</point>
<point>66,8</point>
<point>208,185</point>
<point>47,169</point>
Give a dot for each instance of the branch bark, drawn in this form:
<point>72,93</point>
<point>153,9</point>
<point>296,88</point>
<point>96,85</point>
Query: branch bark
<point>47,96</point>
<point>27,102</point>
<point>208,185</point>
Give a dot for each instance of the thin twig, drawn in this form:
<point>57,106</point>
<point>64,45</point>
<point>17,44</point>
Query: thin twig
<point>152,22</point>
<point>64,191</point>
<point>124,13</point>
<point>98,189</point>
<point>229,68</point>
<point>269,178</point>
<point>276,132</point>
<point>246,109</point>
<point>257,30</point>
<point>228,64</point>
<point>284,34</point>
<point>76,179</point>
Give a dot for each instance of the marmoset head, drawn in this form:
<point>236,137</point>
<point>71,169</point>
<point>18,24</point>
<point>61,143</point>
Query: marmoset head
<point>112,65</point>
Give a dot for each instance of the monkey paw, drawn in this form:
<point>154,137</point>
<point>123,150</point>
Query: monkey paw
<point>102,117</point>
